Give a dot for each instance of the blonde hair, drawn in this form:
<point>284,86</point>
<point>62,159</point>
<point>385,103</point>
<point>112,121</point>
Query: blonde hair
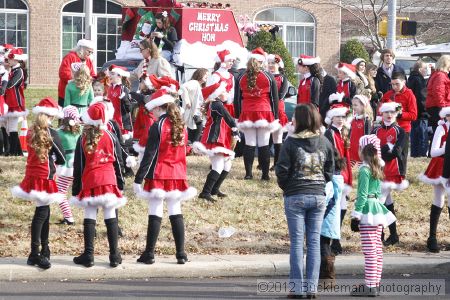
<point>367,109</point>
<point>92,134</point>
<point>370,156</point>
<point>443,63</point>
<point>83,79</point>
<point>41,140</point>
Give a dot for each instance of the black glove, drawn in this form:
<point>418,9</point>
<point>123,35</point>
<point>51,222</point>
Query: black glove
<point>354,225</point>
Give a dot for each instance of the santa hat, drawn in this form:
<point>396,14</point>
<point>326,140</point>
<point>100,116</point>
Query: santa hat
<point>389,106</point>
<point>336,110</point>
<point>356,61</point>
<point>215,90</point>
<point>5,48</point>
<point>336,97</point>
<point>71,112</point>
<point>444,112</point>
<point>306,60</point>
<point>76,66</point>
<point>107,103</point>
<point>348,69</point>
<point>86,43</point>
<point>119,70</point>
<point>276,58</point>
<point>373,140</point>
<point>364,100</point>
<point>49,107</point>
<point>223,56</point>
<point>17,54</point>
<point>168,83</point>
<point>159,98</point>
<point>151,82</point>
<point>259,54</point>
<point>96,115</point>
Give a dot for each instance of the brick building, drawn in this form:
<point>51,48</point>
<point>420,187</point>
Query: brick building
<point>47,29</point>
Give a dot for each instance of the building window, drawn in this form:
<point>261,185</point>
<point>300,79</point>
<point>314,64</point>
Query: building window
<point>107,20</point>
<point>14,23</point>
<point>297,28</point>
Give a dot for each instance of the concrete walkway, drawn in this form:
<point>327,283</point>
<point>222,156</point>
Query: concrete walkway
<point>63,268</point>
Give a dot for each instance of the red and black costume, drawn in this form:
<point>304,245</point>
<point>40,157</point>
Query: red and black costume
<point>309,90</point>
<point>118,94</point>
<point>282,84</point>
<point>348,88</point>
<point>14,95</point>
<point>361,125</point>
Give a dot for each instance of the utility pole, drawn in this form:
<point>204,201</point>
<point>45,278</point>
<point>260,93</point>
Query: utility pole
<point>88,19</point>
<point>392,19</point>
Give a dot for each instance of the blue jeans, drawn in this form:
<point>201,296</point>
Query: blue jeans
<point>304,214</point>
<point>419,138</point>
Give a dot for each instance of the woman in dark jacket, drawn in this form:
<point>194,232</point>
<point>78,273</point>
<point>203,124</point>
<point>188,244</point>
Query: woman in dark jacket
<point>305,165</point>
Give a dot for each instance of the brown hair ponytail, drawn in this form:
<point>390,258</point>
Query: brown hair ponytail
<point>370,157</point>
<point>92,135</point>
<point>174,115</point>
<point>253,68</point>
<point>41,140</point>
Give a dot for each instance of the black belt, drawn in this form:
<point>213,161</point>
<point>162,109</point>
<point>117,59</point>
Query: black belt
<point>69,151</point>
<point>79,106</point>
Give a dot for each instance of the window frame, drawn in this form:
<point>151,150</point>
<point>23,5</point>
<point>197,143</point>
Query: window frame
<point>16,12</point>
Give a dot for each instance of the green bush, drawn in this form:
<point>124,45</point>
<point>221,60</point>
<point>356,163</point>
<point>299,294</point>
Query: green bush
<point>353,49</point>
<point>264,40</point>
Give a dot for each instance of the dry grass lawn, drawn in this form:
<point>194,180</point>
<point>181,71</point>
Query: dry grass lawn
<point>254,208</point>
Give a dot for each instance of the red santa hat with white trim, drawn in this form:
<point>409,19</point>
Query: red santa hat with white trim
<point>107,103</point>
<point>373,140</point>
<point>86,43</point>
<point>306,60</point>
<point>389,106</point>
<point>17,54</point>
<point>347,69</point>
<point>336,110</point>
<point>160,97</point>
<point>49,107</point>
<point>223,56</point>
<point>259,54</point>
<point>276,59</point>
<point>168,83</point>
<point>215,90</point>
<point>5,48</point>
<point>119,70</point>
<point>444,112</point>
<point>96,115</point>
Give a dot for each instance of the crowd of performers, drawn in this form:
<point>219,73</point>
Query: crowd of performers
<point>365,130</point>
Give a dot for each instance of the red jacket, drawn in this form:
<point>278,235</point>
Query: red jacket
<point>409,106</point>
<point>65,71</point>
<point>438,90</point>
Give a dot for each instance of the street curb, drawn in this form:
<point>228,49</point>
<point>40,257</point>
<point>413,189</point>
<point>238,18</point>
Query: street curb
<point>206,266</point>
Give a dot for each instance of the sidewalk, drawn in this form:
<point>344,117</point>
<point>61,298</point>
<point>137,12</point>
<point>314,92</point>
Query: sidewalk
<point>15,269</point>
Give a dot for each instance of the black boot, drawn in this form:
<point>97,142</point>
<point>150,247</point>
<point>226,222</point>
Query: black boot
<point>45,250</point>
<point>393,238</point>
<point>249,157</point>
<point>432,243</point>
<point>211,180</point>
<point>264,161</point>
<point>112,229</point>
<point>336,246</point>
<point>35,259</point>
<point>119,230</point>
<point>5,145</point>
<point>153,228</point>
<point>277,148</point>
<point>87,257</point>
<point>216,187</point>
<point>177,223</point>
<point>15,147</point>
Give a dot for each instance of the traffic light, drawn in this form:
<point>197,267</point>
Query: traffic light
<point>383,28</point>
<point>408,28</point>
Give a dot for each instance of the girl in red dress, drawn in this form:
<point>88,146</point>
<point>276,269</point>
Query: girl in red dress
<point>216,140</point>
<point>276,68</point>
<point>44,153</point>
<point>346,84</point>
<point>4,77</point>
<point>257,109</point>
<point>433,175</point>
<point>361,125</point>
<point>15,99</point>
<point>310,85</point>
<point>163,167</point>
<point>98,181</point>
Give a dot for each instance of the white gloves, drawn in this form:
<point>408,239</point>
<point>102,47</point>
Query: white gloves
<point>137,188</point>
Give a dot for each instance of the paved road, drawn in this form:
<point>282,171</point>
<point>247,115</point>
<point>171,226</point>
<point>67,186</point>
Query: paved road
<point>205,288</point>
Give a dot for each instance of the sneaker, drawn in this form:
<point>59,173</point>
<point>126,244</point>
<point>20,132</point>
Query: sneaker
<point>391,240</point>
<point>66,222</point>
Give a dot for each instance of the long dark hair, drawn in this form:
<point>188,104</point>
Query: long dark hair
<point>199,74</point>
<point>165,21</point>
<point>253,69</point>
<point>314,69</point>
<point>307,118</point>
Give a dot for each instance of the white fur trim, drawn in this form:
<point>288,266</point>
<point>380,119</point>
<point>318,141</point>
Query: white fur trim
<point>219,91</point>
<point>310,61</point>
<point>425,179</point>
<point>159,101</point>
<point>21,57</point>
<point>258,57</point>
<point>346,190</point>
<point>138,148</point>
<point>389,185</point>
<point>5,108</point>
<point>444,112</point>
<point>347,71</point>
<point>86,43</point>
<point>377,219</point>
<point>336,112</point>
<point>445,182</point>
<point>171,195</point>
<point>357,61</point>
<point>54,112</point>
<point>64,171</point>
<point>199,148</point>
<point>131,161</point>
<point>97,99</point>
<point>336,97</point>
<point>356,215</point>
<point>273,126</point>
<point>106,200</point>
<point>120,72</point>
<point>41,198</point>
<point>229,57</point>
<point>364,100</point>
<point>88,121</point>
<point>388,106</point>
<point>14,114</point>
<point>127,136</point>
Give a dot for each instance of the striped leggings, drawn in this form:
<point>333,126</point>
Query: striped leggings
<point>373,253</point>
<point>63,183</point>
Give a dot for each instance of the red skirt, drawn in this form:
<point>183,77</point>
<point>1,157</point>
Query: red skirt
<point>166,185</point>
<point>282,114</point>
<point>255,116</point>
<point>41,190</point>
<point>435,167</point>
<point>103,195</point>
